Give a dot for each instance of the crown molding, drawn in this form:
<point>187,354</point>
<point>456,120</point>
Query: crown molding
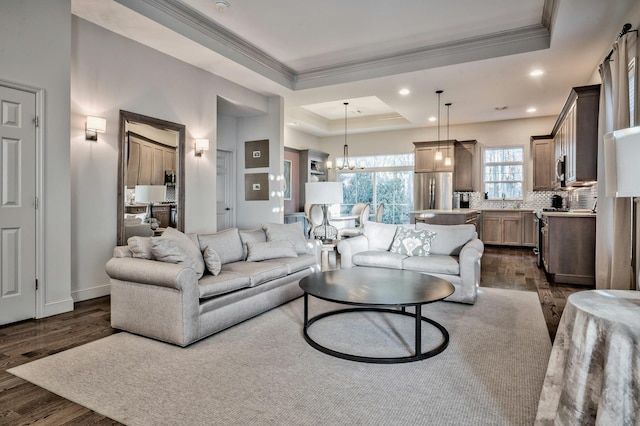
<point>196,26</point>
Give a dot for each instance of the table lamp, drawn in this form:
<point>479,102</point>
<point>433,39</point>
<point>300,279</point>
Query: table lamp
<point>150,194</point>
<point>324,194</point>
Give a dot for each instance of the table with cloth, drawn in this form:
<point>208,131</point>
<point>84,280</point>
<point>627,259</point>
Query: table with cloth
<point>593,376</point>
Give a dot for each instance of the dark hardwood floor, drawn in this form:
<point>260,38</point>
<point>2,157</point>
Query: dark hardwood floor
<point>22,403</point>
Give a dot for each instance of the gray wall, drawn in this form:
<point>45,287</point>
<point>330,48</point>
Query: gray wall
<point>35,50</point>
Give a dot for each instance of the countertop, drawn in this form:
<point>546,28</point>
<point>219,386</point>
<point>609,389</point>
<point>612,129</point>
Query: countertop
<point>454,211</point>
<point>507,209</point>
<point>571,213</point>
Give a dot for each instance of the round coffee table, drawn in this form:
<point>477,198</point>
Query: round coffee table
<point>377,289</point>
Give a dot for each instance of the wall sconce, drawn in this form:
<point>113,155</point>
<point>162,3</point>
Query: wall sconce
<point>202,145</point>
<point>93,126</point>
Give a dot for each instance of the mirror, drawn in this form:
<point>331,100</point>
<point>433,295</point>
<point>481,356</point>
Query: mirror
<point>150,176</point>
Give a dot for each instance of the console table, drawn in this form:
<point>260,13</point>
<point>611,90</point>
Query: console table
<point>593,376</point>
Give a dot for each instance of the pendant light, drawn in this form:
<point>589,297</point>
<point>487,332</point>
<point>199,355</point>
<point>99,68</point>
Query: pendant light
<point>438,156</point>
<point>447,159</point>
<point>346,163</point>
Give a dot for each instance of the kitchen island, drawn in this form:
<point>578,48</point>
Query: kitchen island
<point>445,217</point>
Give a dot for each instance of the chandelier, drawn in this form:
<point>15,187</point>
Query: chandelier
<point>438,156</point>
<point>447,159</point>
<point>345,163</point>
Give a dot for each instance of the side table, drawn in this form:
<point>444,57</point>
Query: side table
<point>593,376</point>
<point>328,256</point>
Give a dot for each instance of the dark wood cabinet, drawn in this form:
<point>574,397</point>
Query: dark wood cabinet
<point>569,248</point>
<point>425,156</point>
<point>543,152</point>
<point>463,170</point>
<point>575,137</point>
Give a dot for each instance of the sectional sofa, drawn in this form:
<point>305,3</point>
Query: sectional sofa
<point>451,252</point>
<point>181,288</point>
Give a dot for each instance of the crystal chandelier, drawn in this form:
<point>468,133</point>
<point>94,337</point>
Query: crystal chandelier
<point>345,163</point>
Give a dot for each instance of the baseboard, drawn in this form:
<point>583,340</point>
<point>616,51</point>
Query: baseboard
<point>91,293</point>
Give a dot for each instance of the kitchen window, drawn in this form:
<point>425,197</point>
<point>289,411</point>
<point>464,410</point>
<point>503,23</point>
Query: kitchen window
<point>503,172</point>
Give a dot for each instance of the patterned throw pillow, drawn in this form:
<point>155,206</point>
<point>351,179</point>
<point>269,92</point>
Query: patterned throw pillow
<point>412,242</point>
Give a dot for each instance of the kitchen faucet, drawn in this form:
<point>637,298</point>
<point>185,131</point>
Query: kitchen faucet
<point>503,198</point>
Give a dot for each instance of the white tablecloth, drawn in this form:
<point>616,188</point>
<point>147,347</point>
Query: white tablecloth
<point>593,377</point>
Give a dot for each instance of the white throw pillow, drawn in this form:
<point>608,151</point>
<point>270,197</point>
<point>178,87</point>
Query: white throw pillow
<point>288,232</point>
<point>212,260</point>
<point>175,247</point>
<point>270,250</point>
<point>380,235</point>
<point>140,247</point>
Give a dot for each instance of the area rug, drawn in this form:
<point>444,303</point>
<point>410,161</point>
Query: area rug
<point>262,372</point>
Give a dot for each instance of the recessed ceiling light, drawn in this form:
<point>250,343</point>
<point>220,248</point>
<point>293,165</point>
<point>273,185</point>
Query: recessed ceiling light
<point>222,5</point>
<point>501,108</point>
<point>432,118</point>
<point>532,109</point>
<point>536,73</point>
<point>404,92</point>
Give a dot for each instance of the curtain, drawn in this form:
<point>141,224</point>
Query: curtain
<point>613,223</point>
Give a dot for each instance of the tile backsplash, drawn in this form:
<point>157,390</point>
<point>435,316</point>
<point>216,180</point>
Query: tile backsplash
<point>579,198</point>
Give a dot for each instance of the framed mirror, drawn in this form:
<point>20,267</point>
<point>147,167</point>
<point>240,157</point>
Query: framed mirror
<point>150,176</point>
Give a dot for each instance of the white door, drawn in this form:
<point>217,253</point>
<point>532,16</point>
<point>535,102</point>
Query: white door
<point>224,184</point>
<point>17,205</point>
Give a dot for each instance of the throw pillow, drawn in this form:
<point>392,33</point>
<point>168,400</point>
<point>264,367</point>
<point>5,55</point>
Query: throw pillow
<point>252,236</point>
<point>212,260</point>
<point>379,235</point>
<point>451,238</point>
<point>175,247</point>
<point>270,250</point>
<point>226,243</point>
<point>411,242</point>
<point>288,232</point>
<point>140,247</point>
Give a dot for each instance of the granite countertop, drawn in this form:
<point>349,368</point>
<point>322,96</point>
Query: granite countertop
<point>507,209</point>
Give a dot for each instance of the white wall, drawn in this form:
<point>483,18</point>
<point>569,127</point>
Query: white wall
<point>35,50</point>
<point>110,73</point>
<point>297,139</point>
<point>495,133</point>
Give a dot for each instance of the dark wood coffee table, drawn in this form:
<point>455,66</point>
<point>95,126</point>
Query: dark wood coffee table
<point>378,289</point>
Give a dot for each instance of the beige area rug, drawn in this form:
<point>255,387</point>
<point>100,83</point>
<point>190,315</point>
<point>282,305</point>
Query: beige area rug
<point>262,372</point>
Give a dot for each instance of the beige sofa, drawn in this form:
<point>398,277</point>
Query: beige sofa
<point>165,287</point>
<point>454,253</point>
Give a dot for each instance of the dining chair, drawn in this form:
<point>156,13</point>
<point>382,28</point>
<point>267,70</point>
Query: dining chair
<point>379,212</point>
<point>364,218</point>
<point>313,213</point>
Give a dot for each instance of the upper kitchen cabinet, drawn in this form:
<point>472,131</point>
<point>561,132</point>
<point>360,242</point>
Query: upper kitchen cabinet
<point>575,137</point>
<point>425,153</point>
<point>148,160</point>
<point>543,152</point>
<point>463,161</point>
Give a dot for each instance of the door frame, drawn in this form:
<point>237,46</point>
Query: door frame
<point>40,211</point>
<point>232,183</point>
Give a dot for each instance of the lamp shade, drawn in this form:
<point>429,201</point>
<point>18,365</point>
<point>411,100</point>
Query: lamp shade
<point>622,162</point>
<point>202,144</point>
<point>323,192</point>
<point>150,193</point>
<point>96,124</point>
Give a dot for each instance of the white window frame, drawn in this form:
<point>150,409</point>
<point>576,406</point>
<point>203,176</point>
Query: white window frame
<point>523,162</point>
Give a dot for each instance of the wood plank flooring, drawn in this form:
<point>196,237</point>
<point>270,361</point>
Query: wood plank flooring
<point>22,403</point>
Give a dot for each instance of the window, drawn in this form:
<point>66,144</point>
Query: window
<point>503,172</point>
<point>386,179</point>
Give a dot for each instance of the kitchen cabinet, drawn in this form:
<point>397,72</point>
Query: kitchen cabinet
<point>163,214</point>
<point>569,247</point>
<point>575,136</point>
<point>313,168</point>
<point>463,165</point>
<point>425,156</point>
<point>543,152</point>
<point>529,229</point>
<point>147,161</point>
<point>502,227</point>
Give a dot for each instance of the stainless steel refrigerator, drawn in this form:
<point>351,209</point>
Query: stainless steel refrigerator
<point>433,191</point>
